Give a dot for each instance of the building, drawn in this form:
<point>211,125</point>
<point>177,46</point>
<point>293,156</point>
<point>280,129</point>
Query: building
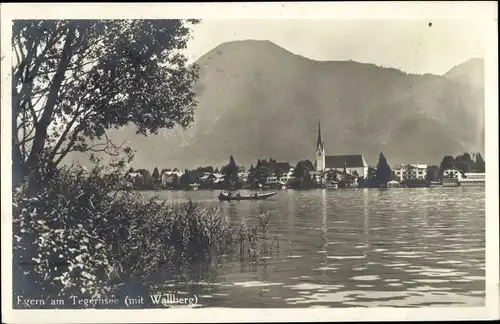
<point>451,178</point>
<point>411,171</point>
<point>352,164</point>
<point>393,184</point>
<point>212,178</point>
<point>286,177</point>
<point>169,177</point>
<point>243,176</point>
<point>318,176</point>
<point>452,173</point>
<point>272,179</point>
<point>472,179</point>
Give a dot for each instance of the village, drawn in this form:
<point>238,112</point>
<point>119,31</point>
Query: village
<point>332,172</point>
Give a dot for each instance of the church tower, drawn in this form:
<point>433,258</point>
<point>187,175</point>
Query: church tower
<point>320,151</point>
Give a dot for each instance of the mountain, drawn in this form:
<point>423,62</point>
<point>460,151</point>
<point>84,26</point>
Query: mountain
<point>470,72</point>
<point>257,100</point>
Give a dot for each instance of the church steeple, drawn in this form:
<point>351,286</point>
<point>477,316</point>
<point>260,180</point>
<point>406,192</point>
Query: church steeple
<point>319,142</point>
<point>320,150</point>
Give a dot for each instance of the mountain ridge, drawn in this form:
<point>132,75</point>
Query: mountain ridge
<point>250,91</point>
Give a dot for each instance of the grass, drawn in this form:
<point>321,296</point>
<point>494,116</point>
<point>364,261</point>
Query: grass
<point>78,236</point>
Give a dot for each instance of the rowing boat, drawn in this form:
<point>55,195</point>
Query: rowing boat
<point>224,196</point>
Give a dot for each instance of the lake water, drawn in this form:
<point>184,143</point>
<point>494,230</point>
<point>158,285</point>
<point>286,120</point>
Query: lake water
<point>355,247</point>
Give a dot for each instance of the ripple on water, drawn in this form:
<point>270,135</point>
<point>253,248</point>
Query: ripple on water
<point>248,284</point>
<point>394,284</point>
<point>431,280</point>
<point>408,254</point>
<point>397,265</point>
<point>449,262</point>
<point>442,273</point>
<point>474,278</point>
<point>326,268</point>
<point>346,257</point>
<point>461,251</point>
<point>366,278</point>
<point>294,299</point>
<point>437,300</point>
<point>311,286</point>
<point>429,288</point>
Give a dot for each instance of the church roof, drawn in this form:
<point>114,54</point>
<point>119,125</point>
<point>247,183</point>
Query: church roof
<point>347,161</point>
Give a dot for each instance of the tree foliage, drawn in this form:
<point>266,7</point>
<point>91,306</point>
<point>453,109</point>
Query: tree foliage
<point>186,178</point>
<point>432,173</point>
<point>383,172</point>
<point>448,162</point>
<point>156,176</point>
<point>231,171</point>
<point>74,79</point>
<point>302,169</point>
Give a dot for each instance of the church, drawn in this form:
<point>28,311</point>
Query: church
<point>353,164</point>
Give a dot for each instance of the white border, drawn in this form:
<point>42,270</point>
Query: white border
<point>484,12</point>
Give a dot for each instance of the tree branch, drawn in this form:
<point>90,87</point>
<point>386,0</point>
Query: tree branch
<point>41,127</point>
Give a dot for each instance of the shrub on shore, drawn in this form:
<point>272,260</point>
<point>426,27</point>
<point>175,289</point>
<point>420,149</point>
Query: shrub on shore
<point>76,235</point>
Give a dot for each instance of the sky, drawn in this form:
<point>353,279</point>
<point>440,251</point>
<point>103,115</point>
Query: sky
<point>409,45</point>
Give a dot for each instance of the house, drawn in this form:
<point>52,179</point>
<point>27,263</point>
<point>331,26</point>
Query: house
<point>393,184</point>
<point>169,177</point>
<point>243,176</point>
<point>287,176</point>
<point>271,178</point>
<point>353,164</point>
<point>452,173</point>
<point>318,176</point>
<point>211,178</point>
<point>219,177</point>
<point>411,171</point>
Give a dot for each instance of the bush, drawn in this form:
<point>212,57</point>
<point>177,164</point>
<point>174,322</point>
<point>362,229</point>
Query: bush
<point>76,235</point>
<point>57,241</point>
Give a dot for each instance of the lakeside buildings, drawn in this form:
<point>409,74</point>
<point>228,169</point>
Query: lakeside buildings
<point>331,169</point>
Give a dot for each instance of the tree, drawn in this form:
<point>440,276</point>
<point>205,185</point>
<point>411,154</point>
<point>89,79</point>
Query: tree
<point>462,166</point>
<point>131,170</point>
<point>448,162</point>
<point>156,175</point>
<point>145,180</point>
<point>186,178</point>
<point>278,173</point>
<point>479,164</point>
<point>72,80</point>
<point>208,169</point>
<point>432,173</point>
<point>372,173</point>
<point>383,172</point>
<point>231,171</point>
<point>302,170</point>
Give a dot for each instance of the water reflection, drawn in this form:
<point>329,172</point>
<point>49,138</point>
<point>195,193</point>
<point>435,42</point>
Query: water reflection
<point>345,248</point>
